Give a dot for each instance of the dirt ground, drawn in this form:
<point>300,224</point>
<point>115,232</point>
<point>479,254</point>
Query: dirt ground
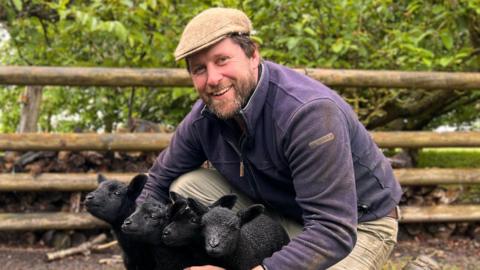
<point>456,253</point>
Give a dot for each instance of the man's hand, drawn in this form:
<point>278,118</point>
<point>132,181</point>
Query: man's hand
<point>205,267</point>
<point>211,267</point>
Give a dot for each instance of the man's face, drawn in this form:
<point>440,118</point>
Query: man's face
<point>224,77</point>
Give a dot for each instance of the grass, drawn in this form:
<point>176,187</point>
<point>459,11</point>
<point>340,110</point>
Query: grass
<point>449,158</point>
<point>453,158</point>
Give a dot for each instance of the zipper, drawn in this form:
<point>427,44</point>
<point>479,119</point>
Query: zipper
<point>241,171</point>
<point>245,165</point>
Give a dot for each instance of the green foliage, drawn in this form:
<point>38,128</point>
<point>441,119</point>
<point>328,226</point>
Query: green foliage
<point>10,109</point>
<point>347,34</point>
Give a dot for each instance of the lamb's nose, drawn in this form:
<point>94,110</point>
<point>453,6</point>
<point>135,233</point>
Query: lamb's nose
<point>166,232</point>
<point>127,221</point>
<point>213,242</point>
<point>89,197</point>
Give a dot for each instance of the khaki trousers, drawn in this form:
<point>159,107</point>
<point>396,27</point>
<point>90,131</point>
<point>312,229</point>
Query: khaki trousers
<point>375,239</point>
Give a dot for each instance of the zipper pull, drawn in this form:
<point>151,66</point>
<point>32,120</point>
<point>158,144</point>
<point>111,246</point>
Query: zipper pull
<point>242,169</point>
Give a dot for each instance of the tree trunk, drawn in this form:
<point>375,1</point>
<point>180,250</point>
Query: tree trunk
<point>31,102</point>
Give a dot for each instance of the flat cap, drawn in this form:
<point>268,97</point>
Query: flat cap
<point>209,27</point>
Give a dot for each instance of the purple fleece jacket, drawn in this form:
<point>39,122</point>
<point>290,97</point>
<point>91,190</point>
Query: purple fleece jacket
<point>305,154</point>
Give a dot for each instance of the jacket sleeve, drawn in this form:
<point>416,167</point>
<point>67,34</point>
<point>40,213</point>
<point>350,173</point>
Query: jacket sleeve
<point>183,154</point>
<point>317,147</point>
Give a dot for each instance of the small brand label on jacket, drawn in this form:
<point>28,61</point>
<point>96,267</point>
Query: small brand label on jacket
<point>322,140</point>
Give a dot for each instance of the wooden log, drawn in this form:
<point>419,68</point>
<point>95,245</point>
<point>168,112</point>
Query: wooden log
<point>78,76</point>
<point>56,181</point>
<point>115,259</point>
<point>397,79</point>
<point>440,213</point>
<point>82,248</point>
<point>88,181</point>
<point>85,141</point>
<point>437,176</point>
<point>47,221</point>
<point>159,141</point>
<point>70,221</point>
<point>105,246</point>
<point>419,139</point>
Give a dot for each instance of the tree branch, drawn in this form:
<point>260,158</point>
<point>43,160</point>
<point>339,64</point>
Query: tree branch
<point>395,111</point>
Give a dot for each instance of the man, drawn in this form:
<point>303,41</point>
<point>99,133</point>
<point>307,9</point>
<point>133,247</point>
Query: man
<point>278,138</point>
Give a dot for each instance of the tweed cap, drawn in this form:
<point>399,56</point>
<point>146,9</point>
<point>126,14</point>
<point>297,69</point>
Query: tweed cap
<point>209,27</point>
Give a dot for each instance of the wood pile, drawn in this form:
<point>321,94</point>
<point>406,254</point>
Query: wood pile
<point>37,162</point>
<point>430,196</point>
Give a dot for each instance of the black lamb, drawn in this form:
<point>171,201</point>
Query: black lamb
<point>113,201</point>
<point>240,240</point>
<point>185,230</point>
<point>147,223</point>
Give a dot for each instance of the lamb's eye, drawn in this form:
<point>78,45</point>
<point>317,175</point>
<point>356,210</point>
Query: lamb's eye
<point>194,220</point>
<point>152,215</point>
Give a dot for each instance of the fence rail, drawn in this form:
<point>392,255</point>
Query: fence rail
<point>158,141</point>
<point>46,221</point>
<point>88,181</point>
<point>49,221</point>
<point>122,77</point>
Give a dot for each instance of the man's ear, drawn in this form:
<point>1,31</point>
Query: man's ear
<point>255,59</point>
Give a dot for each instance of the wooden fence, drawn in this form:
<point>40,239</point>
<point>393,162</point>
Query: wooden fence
<point>156,142</point>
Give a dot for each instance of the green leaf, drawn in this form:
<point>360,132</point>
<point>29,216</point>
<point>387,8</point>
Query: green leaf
<point>338,46</point>
<point>447,39</point>
<point>120,31</point>
<point>153,4</point>
<point>310,31</point>
<point>445,61</point>
<point>257,39</point>
<point>18,4</point>
<point>177,92</point>
<point>292,42</point>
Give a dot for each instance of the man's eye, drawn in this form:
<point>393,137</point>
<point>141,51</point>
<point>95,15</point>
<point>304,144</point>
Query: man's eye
<point>222,60</point>
<point>198,70</point>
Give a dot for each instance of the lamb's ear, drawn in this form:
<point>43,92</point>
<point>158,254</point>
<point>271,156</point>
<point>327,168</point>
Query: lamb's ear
<point>248,214</point>
<point>227,201</point>
<point>177,208</point>
<point>176,197</point>
<point>101,178</point>
<point>136,185</point>
<point>197,207</point>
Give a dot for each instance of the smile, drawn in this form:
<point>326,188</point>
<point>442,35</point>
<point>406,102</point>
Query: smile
<point>221,91</point>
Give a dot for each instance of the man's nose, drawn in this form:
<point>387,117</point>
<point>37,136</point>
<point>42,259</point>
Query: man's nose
<point>214,76</point>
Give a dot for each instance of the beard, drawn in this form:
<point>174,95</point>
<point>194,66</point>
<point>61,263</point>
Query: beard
<point>227,108</point>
